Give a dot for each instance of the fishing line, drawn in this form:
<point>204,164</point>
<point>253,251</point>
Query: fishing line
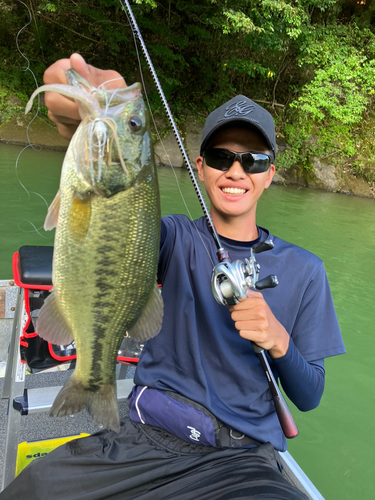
<point>109,81</point>
<point>161,141</point>
<point>27,68</point>
<point>36,230</point>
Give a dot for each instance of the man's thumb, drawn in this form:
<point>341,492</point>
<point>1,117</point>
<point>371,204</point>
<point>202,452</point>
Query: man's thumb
<point>80,65</point>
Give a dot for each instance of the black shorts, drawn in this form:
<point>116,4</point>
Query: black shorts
<point>145,463</point>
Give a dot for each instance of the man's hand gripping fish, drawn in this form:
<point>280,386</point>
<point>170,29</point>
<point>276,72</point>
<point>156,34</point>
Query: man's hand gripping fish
<point>107,219</point>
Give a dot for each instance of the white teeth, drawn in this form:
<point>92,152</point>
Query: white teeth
<point>228,190</point>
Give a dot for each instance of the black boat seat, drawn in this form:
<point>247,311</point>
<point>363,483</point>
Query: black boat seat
<point>35,265</point>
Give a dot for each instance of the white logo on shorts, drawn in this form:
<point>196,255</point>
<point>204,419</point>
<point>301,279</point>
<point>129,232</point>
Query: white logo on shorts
<point>194,433</point>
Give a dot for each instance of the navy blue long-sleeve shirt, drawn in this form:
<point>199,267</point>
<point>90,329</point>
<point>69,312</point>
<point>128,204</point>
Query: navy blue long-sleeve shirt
<point>199,353</point>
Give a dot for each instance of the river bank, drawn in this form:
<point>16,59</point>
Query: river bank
<point>322,175</point>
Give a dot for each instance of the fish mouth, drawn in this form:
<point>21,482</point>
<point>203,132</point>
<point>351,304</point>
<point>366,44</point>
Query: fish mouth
<point>233,191</point>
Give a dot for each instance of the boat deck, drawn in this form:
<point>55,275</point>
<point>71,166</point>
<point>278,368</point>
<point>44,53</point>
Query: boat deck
<point>38,426</point>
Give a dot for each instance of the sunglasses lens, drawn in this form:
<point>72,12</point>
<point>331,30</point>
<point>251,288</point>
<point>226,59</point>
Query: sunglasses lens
<point>253,163</point>
<point>220,159</point>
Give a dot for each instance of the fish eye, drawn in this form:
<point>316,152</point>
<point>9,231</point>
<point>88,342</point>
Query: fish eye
<point>135,123</point>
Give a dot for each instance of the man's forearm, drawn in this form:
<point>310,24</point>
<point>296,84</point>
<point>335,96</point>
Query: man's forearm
<point>303,382</point>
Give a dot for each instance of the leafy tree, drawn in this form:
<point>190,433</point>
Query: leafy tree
<point>333,105</point>
<point>310,62</point>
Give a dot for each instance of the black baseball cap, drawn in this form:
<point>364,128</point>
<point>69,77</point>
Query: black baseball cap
<point>240,110</point>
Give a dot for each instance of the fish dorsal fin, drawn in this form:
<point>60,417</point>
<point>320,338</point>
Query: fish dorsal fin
<point>51,324</point>
<point>53,213</point>
<point>149,324</point>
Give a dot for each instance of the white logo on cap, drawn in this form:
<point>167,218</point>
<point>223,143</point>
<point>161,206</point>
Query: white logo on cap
<point>238,108</point>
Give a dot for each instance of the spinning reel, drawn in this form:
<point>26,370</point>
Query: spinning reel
<point>230,281</point>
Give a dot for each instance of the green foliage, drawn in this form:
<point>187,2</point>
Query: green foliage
<point>238,22</point>
<point>314,57</point>
<point>47,6</point>
<point>344,77</point>
<point>148,3</point>
<point>332,105</point>
<point>247,67</point>
<point>10,104</point>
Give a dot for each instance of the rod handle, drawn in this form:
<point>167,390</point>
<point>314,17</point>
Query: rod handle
<point>285,416</point>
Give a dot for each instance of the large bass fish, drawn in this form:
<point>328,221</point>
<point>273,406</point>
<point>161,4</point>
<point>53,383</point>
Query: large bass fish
<point>107,219</point>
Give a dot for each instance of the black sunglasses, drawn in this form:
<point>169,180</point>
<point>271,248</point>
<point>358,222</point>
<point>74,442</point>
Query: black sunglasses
<point>223,159</point>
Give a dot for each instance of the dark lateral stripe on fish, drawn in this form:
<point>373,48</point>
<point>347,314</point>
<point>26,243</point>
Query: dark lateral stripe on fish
<point>105,267</point>
<point>102,294</point>
<point>102,303</point>
<point>105,248</point>
<point>101,317</point>
<point>96,375</point>
<point>103,286</point>
<point>105,262</point>
<point>108,219</point>
<point>112,238</point>
<point>101,282</point>
<point>106,272</point>
<point>94,386</point>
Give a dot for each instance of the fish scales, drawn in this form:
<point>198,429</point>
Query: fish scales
<point>110,304</point>
<point>107,219</point>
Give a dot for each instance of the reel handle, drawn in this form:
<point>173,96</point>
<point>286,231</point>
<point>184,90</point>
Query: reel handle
<point>269,281</point>
<point>263,246</point>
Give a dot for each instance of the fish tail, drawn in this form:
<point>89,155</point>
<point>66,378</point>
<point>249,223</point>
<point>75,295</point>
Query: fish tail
<point>100,403</point>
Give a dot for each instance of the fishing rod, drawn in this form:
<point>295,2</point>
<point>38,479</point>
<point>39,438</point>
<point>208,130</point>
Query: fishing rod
<point>230,281</point>
<point>134,26</point>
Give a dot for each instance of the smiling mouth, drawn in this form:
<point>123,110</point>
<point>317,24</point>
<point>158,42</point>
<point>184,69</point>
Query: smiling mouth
<point>233,191</point>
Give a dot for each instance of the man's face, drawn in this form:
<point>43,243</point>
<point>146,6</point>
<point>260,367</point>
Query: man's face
<point>234,193</point>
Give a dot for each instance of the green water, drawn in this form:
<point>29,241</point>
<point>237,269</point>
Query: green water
<point>337,441</point>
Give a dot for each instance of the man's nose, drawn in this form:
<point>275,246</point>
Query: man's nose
<point>236,170</point>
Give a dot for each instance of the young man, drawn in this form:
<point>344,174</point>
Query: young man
<point>202,420</point>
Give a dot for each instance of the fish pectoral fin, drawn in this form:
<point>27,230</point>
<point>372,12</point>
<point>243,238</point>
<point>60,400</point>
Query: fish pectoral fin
<point>79,216</point>
<point>149,324</point>
<point>51,324</point>
<point>53,213</point>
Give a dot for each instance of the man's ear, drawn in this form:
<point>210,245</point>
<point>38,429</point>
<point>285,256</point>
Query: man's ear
<point>199,164</point>
<point>271,173</point>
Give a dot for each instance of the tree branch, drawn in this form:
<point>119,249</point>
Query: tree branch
<point>75,32</point>
<point>272,103</point>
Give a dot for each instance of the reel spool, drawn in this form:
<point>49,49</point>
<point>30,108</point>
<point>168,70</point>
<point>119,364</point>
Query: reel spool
<point>230,281</point>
